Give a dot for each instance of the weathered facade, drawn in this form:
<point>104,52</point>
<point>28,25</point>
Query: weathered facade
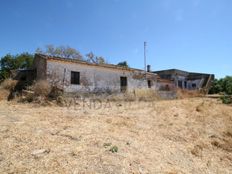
<point>187,80</point>
<point>165,84</point>
<point>80,76</point>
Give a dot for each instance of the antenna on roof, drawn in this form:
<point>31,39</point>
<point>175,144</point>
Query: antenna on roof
<point>145,61</point>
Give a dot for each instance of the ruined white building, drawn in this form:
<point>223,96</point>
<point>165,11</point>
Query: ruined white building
<point>79,76</point>
<point>187,80</point>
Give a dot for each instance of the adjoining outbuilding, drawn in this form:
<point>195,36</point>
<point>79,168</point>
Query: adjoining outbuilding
<point>187,80</point>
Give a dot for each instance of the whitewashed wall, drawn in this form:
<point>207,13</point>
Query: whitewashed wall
<point>92,78</point>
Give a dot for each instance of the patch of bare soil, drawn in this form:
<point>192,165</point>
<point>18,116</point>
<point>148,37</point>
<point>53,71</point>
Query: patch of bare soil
<point>179,136</point>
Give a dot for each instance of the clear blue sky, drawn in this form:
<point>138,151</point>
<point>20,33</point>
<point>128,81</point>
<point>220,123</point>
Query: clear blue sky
<point>193,35</point>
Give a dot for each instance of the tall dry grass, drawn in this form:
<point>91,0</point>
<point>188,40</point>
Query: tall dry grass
<point>4,94</point>
<point>146,94</point>
<point>182,93</point>
<point>38,92</point>
<point>6,87</point>
<point>8,84</point>
<point>42,88</point>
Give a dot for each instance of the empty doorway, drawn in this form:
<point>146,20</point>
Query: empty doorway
<point>123,83</point>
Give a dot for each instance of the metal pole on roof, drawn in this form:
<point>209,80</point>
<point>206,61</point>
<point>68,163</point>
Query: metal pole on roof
<point>145,59</point>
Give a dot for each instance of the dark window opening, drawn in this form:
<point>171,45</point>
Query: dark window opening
<point>23,78</point>
<point>185,84</point>
<point>75,78</point>
<point>149,83</point>
<point>180,84</point>
<point>123,83</point>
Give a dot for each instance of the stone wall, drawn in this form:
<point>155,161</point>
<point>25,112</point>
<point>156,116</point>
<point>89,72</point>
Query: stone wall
<point>39,65</point>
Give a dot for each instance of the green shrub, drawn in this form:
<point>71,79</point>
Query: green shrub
<point>114,149</point>
<point>13,62</point>
<point>226,99</point>
<point>223,85</point>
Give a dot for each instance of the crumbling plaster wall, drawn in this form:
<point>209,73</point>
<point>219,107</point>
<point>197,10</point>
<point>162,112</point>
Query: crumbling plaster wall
<point>189,83</point>
<point>197,82</point>
<point>178,78</point>
<point>92,78</point>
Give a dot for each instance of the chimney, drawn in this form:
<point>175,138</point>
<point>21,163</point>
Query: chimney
<point>148,68</point>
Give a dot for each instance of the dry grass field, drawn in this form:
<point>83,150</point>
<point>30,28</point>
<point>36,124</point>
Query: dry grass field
<point>172,137</point>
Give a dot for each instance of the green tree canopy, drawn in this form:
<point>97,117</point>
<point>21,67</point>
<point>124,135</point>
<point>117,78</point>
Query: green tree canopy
<point>227,85</point>
<point>13,62</point>
<point>223,85</point>
<point>124,64</point>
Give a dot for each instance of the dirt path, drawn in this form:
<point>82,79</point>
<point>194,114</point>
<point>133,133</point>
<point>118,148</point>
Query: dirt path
<point>179,136</point>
